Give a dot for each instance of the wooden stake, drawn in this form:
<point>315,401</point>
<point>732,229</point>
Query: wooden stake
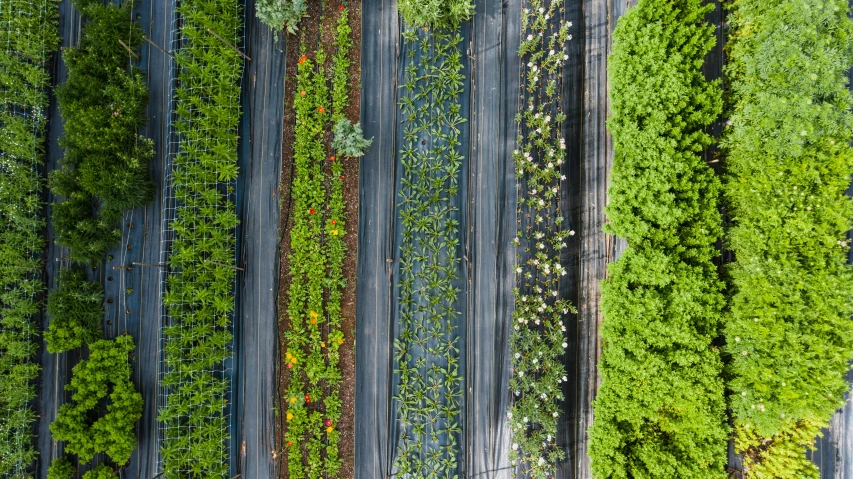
<point>128,49</point>
<point>151,264</point>
<point>157,47</point>
<point>226,265</point>
<point>227,43</point>
<point>128,267</point>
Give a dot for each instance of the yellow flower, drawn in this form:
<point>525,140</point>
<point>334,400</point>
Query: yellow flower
<point>293,360</point>
<point>335,232</point>
<point>289,416</point>
<point>329,429</point>
<point>289,355</point>
<point>313,315</point>
<point>322,345</point>
<point>340,341</point>
<point>293,400</point>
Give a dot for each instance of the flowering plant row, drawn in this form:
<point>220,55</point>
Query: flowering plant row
<point>538,339</point>
<point>29,36</point>
<point>103,102</point>
<point>788,336</point>
<point>314,337</point>
<point>660,409</point>
<point>426,347</point>
<point>199,296</point>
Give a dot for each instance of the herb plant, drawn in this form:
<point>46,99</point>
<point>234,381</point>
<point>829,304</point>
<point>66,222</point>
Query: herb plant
<point>29,36</point>
<point>103,102</point>
<point>788,334</point>
<point>101,472</point>
<point>76,308</point>
<point>313,340</point>
<point>281,14</point>
<point>61,468</point>
<point>538,340</point>
<point>199,296</point>
<point>435,13</point>
<point>426,347</point>
<point>660,409</point>
<point>106,373</point>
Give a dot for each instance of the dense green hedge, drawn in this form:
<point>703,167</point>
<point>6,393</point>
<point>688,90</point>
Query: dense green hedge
<point>76,308</point>
<point>789,333</point>
<point>29,36</point>
<point>103,103</point>
<point>660,411</point>
<point>199,294</point>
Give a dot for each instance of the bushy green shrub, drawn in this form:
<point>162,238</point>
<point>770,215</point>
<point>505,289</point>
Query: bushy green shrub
<point>61,468</point>
<point>788,335</point>
<point>281,14</point>
<point>76,309</point>
<point>435,13</point>
<point>103,102</point>
<point>660,410</point>
<point>28,38</point>
<point>105,373</point>
<point>349,139</point>
<point>101,472</point>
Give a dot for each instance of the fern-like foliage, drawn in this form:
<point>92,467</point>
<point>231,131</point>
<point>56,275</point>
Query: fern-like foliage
<point>660,411</point>
<point>76,308</point>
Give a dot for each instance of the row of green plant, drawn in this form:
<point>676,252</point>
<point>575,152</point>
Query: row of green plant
<point>426,347</point>
<point>789,338</point>
<point>538,339</point>
<point>660,411</point>
<point>103,102</point>
<point>314,336</point>
<point>29,35</point>
<point>199,296</point>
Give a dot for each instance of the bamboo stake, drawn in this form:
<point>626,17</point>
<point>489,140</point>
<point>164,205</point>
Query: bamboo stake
<point>156,46</point>
<point>151,264</point>
<point>229,44</point>
<point>128,49</point>
<point>128,267</point>
<point>226,265</point>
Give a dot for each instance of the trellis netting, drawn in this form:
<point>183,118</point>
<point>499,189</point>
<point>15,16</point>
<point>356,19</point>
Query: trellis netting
<point>29,35</point>
<point>198,241</point>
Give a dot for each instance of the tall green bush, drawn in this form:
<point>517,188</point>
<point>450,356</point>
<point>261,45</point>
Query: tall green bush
<point>789,336</point>
<point>76,308</point>
<point>660,411</point>
<point>436,13</point>
<point>103,103</point>
<point>29,36</point>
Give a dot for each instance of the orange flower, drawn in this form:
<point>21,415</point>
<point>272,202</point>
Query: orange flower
<point>321,109</point>
<point>313,321</point>
<point>332,157</point>
<point>302,59</point>
<point>334,222</point>
<point>293,360</point>
<point>302,92</point>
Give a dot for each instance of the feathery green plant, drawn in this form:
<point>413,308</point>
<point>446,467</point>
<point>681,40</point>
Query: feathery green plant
<point>61,468</point>
<point>435,13</point>
<point>76,308</point>
<point>660,410</point>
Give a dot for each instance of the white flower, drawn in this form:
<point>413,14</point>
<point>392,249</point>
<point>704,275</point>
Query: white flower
<point>536,361</point>
<point>541,203</point>
<point>541,461</point>
<point>556,414</point>
<point>547,118</point>
<point>524,419</point>
<point>541,9</point>
<point>572,233</point>
<point>566,57</point>
<point>564,378</point>
<point>544,396</point>
<point>521,375</point>
<point>562,177</point>
<point>551,53</point>
<point>565,345</point>
<point>550,165</point>
<point>514,446</point>
<point>536,78</point>
<point>518,270</point>
<point>529,64</point>
<point>737,340</point>
<point>517,355</point>
<point>529,37</point>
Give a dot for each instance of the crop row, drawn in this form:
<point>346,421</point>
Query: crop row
<point>660,410</point>
<point>426,347</point>
<point>538,339</point>
<point>199,296</point>
<point>29,36</point>
<point>788,335</point>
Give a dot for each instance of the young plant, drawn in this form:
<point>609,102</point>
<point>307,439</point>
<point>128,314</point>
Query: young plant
<point>538,341</point>
<point>105,373</point>
<point>349,139</point>
<point>660,410</point>
<point>76,309</point>
<point>29,37</point>
<point>789,338</point>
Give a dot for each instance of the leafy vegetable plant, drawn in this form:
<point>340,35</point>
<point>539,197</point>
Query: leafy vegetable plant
<point>103,102</point>
<point>660,409</point>
<point>789,337</point>
<point>349,139</point>
<point>106,373</point>
<point>426,347</point>
<point>281,14</point>
<point>76,309</point>
<point>538,340</point>
<point>199,296</point>
<point>29,36</point>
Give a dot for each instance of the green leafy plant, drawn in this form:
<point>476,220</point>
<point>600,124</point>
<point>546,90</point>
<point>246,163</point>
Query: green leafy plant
<point>199,296</point>
<point>106,373</point>
<point>426,347</point>
<point>76,309</point>
<point>281,14</point>
<point>435,13</point>
<point>61,468</point>
<point>660,409</point>
<point>101,472</point>
<point>538,340</point>
<point>788,334</point>
<point>29,36</point>
<point>105,168</point>
<point>349,139</point>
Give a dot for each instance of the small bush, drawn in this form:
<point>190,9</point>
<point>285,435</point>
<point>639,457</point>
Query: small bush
<point>61,468</point>
<point>435,13</point>
<point>101,472</point>
<point>349,139</point>
<point>76,308</point>
<point>281,14</point>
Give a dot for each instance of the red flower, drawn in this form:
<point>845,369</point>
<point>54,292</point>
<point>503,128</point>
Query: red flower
<point>321,109</point>
<point>328,422</point>
<point>334,222</point>
<point>289,365</point>
<point>341,178</point>
<point>289,443</point>
<point>302,59</point>
<point>341,7</point>
<point>332,157</point>
<point>312,211</point>
<point>307,398</point>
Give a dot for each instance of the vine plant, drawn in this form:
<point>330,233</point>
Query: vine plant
<point>426,348</point>
<point>314,337</point>
<point>199,291</point>
<point>29,36</point>
<point>538,338</point>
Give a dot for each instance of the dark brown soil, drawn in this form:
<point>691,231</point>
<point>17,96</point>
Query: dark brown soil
<point>347,351</point>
